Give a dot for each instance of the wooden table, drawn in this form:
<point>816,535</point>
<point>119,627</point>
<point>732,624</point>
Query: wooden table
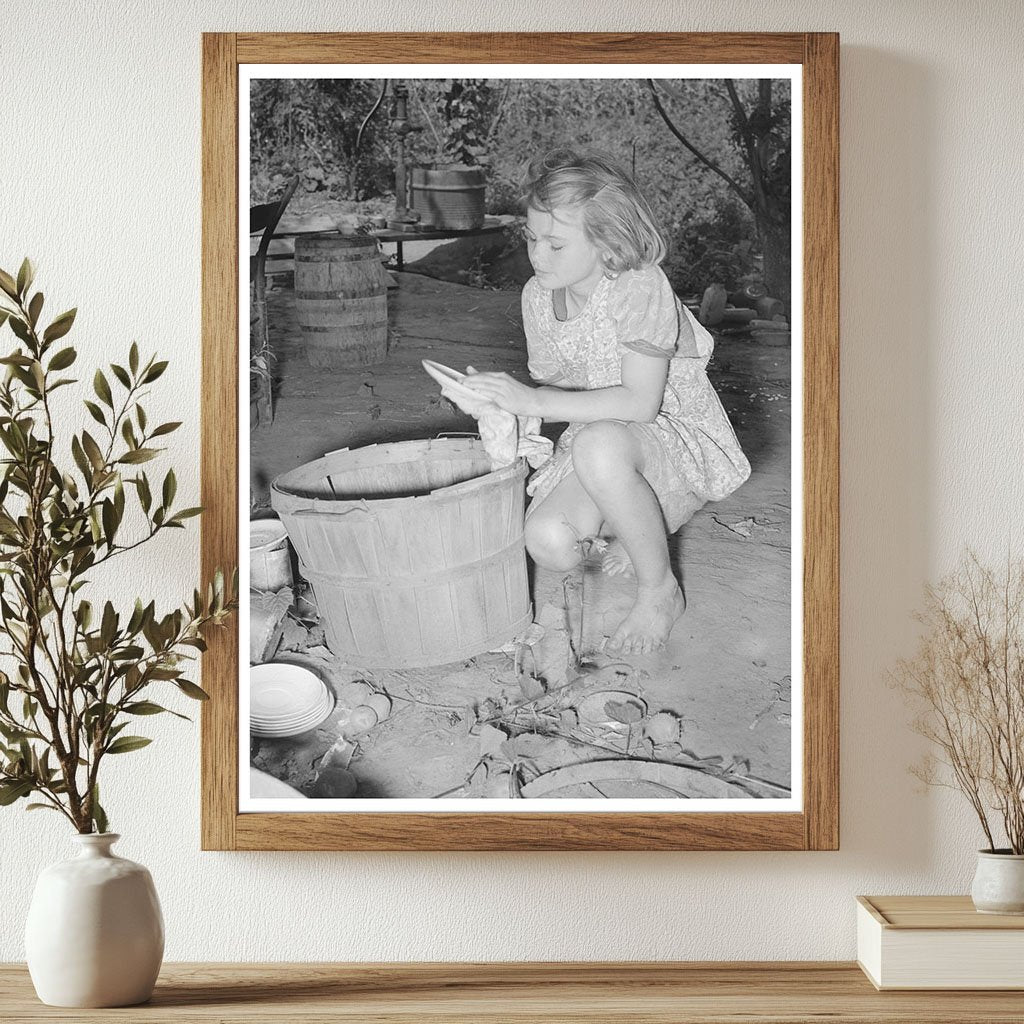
<point>615,993</point>
<point>490,226</point>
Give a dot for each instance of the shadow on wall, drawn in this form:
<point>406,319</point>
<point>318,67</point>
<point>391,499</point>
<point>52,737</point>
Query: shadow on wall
<point>887,423</point>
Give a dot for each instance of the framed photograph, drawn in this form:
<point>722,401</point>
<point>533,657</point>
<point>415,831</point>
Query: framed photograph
<point>521,373</point>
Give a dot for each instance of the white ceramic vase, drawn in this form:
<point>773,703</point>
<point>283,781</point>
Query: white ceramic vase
<point>999,883</point>
<point>95,933</point>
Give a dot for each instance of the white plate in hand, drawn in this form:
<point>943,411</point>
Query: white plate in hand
<point>451,381</point>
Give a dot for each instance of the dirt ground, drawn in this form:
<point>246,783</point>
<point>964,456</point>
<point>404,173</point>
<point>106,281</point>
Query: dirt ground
<point>708,716</point>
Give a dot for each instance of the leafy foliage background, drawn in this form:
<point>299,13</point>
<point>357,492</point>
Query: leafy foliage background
<point>311,127</point>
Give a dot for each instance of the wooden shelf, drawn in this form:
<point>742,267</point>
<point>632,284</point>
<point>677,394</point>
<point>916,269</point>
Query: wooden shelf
<point>615,993</point>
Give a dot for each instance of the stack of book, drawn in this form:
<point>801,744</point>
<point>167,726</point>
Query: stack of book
<point>938,942</point>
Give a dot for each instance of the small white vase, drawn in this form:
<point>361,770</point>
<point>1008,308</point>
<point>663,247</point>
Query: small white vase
<point>999,882</point>
<point>95,934</point>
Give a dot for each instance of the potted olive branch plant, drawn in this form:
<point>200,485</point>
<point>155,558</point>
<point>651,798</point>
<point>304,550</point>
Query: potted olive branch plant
<point>74,673</point>
<point>967,682</point>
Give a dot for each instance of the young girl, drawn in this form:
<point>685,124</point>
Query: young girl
<point>620,360</point>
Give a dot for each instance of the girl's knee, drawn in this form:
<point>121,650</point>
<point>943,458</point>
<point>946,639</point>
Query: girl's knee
<point>551,544</point>
<point>603,452</point>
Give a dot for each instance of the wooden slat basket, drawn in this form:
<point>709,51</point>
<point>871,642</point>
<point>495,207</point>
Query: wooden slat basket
<point>414,549</point>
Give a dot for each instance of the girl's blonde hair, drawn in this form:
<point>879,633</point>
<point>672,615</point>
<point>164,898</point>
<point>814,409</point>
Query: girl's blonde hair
<point>616,217</point>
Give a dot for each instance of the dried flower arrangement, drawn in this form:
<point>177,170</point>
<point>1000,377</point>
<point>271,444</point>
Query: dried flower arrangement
<point>967,679</point>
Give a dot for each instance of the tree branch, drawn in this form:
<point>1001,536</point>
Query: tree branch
<point>744,195</point>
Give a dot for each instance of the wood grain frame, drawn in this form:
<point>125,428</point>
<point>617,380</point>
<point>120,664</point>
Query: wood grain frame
<point>817,826</point>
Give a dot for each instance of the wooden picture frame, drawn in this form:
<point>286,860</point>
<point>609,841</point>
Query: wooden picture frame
<point>816,826</point>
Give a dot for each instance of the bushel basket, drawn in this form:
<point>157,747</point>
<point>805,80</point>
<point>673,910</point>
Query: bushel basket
<point>414,550</point>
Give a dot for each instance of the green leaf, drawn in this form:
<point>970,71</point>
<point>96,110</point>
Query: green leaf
<point>137,618</point>
<point>12,733</point>
<point>20,329</point>
<point>128,433</point>
<point>191,690</point>
<point>7,283</point>
<point>121,374</point>
<point>125,744</point>
<point>133,358</point>
<point>95,412</point>
<point>145,498</point>
<point>92,449</point>
<point>144,707</point>
<point>11,791</point>
<point>102,388</point>
<point>84,614</point>
<point>170,488</point>
<point>81,461</point>
<point>130,653</point>
<point>108,625</point>
<point>138,455</point>
<point>26,274</point>
<point>63,359</point>
<point>34,308</point>
<point>185,513</point>
<point>99,816</point>
<point>154,372</point>
<point>41,807</point>
<point>166,428</point>
<point>140,415</point>
<point>109,518</point>
<point>60,326</point>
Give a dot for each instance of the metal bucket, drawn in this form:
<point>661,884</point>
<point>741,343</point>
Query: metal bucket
<point>270,561</point>
<point>450,198</point>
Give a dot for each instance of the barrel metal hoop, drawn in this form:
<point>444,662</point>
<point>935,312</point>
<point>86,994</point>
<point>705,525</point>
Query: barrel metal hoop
<point>419,186</point>
<point>432,578</point>
<point>307,329</point>
<point>366,256</point>
<point>377,292</point>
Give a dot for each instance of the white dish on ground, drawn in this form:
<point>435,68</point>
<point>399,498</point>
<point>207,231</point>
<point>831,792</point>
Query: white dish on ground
<point>265,787</point>
<point>285,700</point>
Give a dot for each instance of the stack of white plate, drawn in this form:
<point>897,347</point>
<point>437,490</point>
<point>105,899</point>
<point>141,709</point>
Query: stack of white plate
<point>285,700</point>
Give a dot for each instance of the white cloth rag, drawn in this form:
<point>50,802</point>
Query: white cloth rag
<point>505,436</point>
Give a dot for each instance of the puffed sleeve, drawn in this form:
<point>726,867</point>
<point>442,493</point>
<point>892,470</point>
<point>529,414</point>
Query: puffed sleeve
<point>646,314</point>
<point>542,358</point>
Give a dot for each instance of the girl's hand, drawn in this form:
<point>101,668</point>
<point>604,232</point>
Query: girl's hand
<point>504,391</point>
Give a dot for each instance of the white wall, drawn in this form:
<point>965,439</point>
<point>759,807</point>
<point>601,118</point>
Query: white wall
<point>100,183</point>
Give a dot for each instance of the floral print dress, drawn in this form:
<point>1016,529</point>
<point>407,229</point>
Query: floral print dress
<point>692,455</point>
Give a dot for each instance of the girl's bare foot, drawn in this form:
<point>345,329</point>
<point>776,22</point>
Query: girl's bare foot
<point>615,561</point>
<point>650,620</point>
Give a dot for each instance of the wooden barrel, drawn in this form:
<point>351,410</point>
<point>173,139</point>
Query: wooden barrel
<point>341,299</point>
<point>414,550</point>
<point>449,197</point>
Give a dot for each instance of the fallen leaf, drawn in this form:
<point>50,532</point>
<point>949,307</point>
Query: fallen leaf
<point>491,740</point>
<point>531,687</point>
<point>625,712</point>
